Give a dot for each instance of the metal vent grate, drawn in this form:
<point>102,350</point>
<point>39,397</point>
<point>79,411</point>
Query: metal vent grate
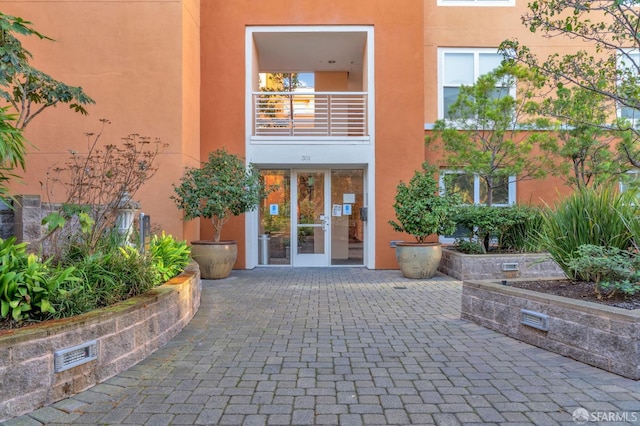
<point>535,320</point>
<point>65,359</point>
<point>510,266</point>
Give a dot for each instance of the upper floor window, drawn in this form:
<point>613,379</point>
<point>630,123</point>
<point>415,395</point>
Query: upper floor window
<point>476,2</point>
<point>629,67</point>
<point>461,67</point>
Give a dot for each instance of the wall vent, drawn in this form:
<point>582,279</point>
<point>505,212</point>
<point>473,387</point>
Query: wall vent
<point>535,320</point>
<point>510,266</point>
<point>64,359</point>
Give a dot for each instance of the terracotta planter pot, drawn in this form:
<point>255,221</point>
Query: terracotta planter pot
<point>418,260</point>
<point>216,259</point>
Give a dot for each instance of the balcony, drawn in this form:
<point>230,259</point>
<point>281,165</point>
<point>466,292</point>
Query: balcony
<point>310,116</point>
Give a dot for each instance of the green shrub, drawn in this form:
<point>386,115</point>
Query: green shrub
<point>512,228</point>
<point>610,268</point>
<point>168,257</point>
<point>521,234</point>
<point>469,247</point>
<point>420,209</point>
<point>597,217</point>
<point>27,285</point>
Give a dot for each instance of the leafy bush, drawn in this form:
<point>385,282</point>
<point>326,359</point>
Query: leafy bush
<point>610,268</point>
<point>116,273</point>
<point>469,247</point>
<point>513,228</point>
<point>26,284</point>
<point>168,257</point>
<point>596,217</point>
<point>420,210</point>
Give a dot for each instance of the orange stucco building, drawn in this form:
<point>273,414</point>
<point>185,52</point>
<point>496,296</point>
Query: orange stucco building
<point>189,71</point>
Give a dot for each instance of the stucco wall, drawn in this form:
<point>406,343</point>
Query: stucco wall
<point>139,60</point>
<point>398,34</point>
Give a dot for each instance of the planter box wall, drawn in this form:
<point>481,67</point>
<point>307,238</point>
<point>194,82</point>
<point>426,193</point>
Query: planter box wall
<point>125,333</point>
<point>599,335</point>
<point>491,266</point>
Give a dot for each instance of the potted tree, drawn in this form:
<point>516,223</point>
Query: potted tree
<point>421,211</point>
<point>220,188</point>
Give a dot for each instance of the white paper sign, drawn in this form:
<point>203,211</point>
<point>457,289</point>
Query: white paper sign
<point>349,198</point>
<point>273,209</point>
<point>337,210</point>
<point>346,209</point>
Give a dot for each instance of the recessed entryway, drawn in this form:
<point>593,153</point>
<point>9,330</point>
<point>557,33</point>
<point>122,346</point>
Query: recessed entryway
<point>325,227</point>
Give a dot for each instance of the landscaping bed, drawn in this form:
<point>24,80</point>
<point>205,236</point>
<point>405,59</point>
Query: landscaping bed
<point>579,290</point>
<point>40,364</point>
<point>596,334</point>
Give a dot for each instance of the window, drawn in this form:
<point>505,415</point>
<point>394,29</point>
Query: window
<point>461,67</point>
<point>476,2</point>
<point>630,180</point>
<point>629,63</point>
<point>473,190</point>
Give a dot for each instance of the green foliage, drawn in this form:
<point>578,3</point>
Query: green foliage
<point>584,150</point>
<point>609,268</point>
<point>512,227</point>
<point>27,285</point>
<point>594,216</point>
<point>222,187</point>
<point>28,90</point>
<point>609,32</point>
<point>485,134</point>
<point>168,257</point>
<point>109,275</point>
<point>469,247</point>
<point>522,234</point>
<point>12,152</point>
<point>420,210</point>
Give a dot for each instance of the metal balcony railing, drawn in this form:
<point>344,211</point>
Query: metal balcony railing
<point>302,114</point>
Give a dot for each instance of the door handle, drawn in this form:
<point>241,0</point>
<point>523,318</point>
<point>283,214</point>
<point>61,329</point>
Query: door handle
<point>325,223</point>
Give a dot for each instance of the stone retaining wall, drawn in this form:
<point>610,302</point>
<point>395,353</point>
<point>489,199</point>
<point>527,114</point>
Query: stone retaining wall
<point>125,334</point>
<point>492,266</point>
<point>599,335</point>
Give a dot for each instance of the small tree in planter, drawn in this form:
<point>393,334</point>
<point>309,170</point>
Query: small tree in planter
<point>421,211</point>
<point>222,187</point>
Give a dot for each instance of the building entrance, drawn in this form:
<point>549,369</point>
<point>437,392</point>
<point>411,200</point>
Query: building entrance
<point>312,217</point>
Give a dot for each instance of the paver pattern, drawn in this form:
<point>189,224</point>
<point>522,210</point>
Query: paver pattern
<point>344,346</point>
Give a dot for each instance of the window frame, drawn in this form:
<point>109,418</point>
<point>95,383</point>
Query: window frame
<point>624,186</point>
<point>511,187</point>
<point>476,51</point>
<point>636,119</point>
<point>511,194</point>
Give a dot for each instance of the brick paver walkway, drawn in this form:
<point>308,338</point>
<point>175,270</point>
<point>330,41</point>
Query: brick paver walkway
<point>344,346</point>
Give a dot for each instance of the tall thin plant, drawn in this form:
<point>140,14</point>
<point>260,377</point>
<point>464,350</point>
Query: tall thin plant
<point>595,216</point>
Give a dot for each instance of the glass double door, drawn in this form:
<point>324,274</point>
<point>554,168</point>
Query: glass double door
<point>312,217</point>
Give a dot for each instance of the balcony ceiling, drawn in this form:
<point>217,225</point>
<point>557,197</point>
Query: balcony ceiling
<point>310,51</point>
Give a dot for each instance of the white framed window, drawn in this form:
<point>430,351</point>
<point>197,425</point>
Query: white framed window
<point>476,3</point>
<point>461,67</point>
<point>629,62</point>
<point>630,180</point>
<point>473,190</point>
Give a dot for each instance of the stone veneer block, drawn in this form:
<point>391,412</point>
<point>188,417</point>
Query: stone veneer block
<point>599,335</point>
<point>126,333</point>
<point>489,266</point>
